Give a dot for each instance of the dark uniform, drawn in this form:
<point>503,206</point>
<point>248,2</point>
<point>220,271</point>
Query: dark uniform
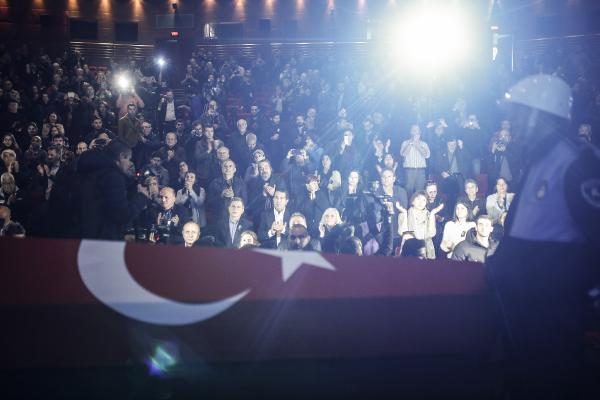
<point>545,265</point>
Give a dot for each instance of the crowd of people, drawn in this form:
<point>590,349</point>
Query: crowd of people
<point>292,153</point>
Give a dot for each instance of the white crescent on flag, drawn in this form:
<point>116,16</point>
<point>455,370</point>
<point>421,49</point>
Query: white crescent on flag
<point>103,270</point>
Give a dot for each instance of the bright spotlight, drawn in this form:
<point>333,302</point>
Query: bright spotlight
<point>123,82</point>
<point>161,62</point>
<point>432,38</point>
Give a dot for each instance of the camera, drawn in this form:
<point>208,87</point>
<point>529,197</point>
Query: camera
<point>142,176</point>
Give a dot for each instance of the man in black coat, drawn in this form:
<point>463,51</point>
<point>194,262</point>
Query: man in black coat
<point>106,207</point>
<point>478,244</point>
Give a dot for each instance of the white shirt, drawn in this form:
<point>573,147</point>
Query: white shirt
<point>170,115</point>
<point>413,157</point>
<point>456,232</point>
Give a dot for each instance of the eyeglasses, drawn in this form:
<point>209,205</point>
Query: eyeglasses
<point>298,237</point>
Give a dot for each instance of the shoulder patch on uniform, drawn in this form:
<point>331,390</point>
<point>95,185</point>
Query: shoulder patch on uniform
<point>590,191</point>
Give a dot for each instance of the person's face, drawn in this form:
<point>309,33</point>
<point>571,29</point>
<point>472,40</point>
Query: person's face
<point>461,211</point>
<point>146,128</point>
<point>326,161</point>
<point>236,210</point>
<point>228,169</point>
<point>153,186</point>
<point>451,146</point>
<point>353,178</point>
<point>124,162</point>
<point>167,199</point>
<point>131,111</point>
<point>169,96</point>
<point>97,124</point>
<point>420,202</point>
<point>81,147</point>
<point>276,119</point>
<point>585,132</point>
<point>179,126</point>
<point>212,105</point>
<point>471,189</point>
<point>183,167</point>
<point>484,227</point>
<point>58,141</point>
<point>242,125</point>
<point>52,118</point>
<point>387,178</point>
<point>36,142</point>
<point>190,178</point>
<point>254,110</point>
<point>7,141</point>
<point>223,154</point>
<point>8,158</point>
<point>209,132</point>
<point>251,142</point>
<point>388,161</point>
<point>311,113</point>
<point>431,192</point>
<point>299,120</point>
<point>246,239</point>
<point>190,233</point>
<point>299,238</point>
<point>258,156</point>
<point>265,171</point>
<point>415,132</point>
<point>171,139</point>
<point>329,218</point>
<point>280,201</point>
<point>155,162</point>
<point>501,186</point>
<point>52,156</point>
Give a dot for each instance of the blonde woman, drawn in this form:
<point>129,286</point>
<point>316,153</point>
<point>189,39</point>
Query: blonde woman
<point>421,221</point>
<point>330,218</point>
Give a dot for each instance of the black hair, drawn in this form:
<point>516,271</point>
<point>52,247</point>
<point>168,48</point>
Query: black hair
<point>115,148</point>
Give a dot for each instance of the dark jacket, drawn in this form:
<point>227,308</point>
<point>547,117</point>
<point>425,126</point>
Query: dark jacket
<point>266,221</point>
<point>223,236</point>
<point>106,207</point>
<point>471,250</point>
<point>215,202</point>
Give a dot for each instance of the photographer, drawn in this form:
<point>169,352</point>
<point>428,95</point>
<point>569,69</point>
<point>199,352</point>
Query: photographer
<point>504,159</point>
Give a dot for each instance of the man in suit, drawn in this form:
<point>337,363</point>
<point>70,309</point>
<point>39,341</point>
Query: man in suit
<point>228,230</point>
<point>273,223</point>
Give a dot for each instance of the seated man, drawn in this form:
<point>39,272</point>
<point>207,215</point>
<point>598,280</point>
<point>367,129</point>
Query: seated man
<point>299,239</point>
<point>479,243</point>
<point>228,230</point>
<point>191,236</point>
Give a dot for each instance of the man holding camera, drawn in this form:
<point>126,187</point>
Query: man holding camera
<point>130,127</point>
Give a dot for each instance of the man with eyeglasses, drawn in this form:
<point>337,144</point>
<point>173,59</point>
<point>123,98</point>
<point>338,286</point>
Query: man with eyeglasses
<point>299,239</point>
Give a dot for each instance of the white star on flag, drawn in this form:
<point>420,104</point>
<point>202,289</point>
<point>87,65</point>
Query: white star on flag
<point>292,260</point>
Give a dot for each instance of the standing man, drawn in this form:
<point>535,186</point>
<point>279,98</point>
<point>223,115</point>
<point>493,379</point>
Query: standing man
<point>544,266</point>
<point>130,127</point>
<point>415,153</point>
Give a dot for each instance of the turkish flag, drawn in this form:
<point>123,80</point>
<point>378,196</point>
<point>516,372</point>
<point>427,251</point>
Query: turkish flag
<point>89,303</point>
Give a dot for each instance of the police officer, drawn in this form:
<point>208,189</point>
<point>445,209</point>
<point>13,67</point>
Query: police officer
<point>545,263</point>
